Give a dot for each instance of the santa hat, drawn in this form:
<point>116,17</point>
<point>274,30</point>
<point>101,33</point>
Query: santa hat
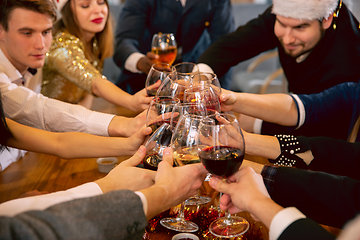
<point>60,4</point>
<point>304,9</point>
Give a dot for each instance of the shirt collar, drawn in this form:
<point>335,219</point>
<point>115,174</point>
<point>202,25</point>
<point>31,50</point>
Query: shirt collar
<point>9,69</point>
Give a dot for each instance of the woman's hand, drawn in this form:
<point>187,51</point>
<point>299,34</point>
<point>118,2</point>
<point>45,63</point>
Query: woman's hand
<point>127,176</point>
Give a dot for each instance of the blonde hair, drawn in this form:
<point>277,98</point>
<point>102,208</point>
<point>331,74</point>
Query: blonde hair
<point>104,38</point>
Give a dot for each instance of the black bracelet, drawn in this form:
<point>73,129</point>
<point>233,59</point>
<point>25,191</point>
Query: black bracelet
<point>289,146</point>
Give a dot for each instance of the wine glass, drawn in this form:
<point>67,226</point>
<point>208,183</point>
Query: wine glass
<point>185,151</point>
<point>164,45</point>
<point>204,95</point>
<point>155,146</point>
<point>158,71</point>
<point>184,70</point>
<point>173,87</point>
<point>221,151</point>
<point>206,79</point>
<point>160,111</point>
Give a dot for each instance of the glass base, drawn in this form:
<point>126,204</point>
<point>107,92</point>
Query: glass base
<point>179,225</point>
<point>227,228</point>
<point>197,200</point>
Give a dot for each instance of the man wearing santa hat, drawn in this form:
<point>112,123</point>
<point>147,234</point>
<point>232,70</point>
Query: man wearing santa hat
<point>318,43</point>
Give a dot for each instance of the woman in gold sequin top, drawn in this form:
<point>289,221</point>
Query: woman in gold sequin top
<point>83,38</point>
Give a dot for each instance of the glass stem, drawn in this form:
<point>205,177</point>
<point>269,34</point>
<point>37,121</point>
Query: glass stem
<point>228,219</point>
<point>181,211</point>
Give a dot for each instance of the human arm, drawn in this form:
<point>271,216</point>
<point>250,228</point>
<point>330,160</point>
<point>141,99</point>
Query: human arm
<point>247,41</point>
<point>172,185</point>
<point>73,144</point>
<point>107,90</point>
<point>67,58</point>
<point>126,126</point>
<point>107,216</point>
<point>222,21</point>
<point>328,199</point>
<point>276,108</point>
<point>313,152</point>
<point>339,103</point>
<point>121,177</point>
<point>130,29</point>
<point>29,108</point>
<point>101,217</point>
<point>247,192</point>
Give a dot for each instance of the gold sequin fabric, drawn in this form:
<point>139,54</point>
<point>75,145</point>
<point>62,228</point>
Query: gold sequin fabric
<point>67,74</point>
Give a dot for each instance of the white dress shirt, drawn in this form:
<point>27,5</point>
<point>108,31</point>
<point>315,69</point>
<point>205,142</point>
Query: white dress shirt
<point>30,108</point>
<point>41,202</point>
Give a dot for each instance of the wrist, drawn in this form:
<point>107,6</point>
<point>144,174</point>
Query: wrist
<point>264,209</point>
<point>117,126</point>
<point>157,200</point>
<point>105,185</point>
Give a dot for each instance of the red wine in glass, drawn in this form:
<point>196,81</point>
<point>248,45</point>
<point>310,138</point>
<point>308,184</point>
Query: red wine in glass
<point>151,92</point>
<point>222,161</point>
<point>222,155</point>
<point>154,126</point>
<point>154,155</point>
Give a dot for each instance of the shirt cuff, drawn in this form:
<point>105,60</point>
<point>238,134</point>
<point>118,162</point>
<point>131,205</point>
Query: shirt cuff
<point>205,68</point>
<point>143,200</point>
<point>257,126</point>
<point>9,156</point>
<point>301,110</point>
<point>131,62</point>
<point>42,202</point>
<point>282,220</point>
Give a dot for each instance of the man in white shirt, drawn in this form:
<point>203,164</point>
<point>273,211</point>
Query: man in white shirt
<point>25,37</point>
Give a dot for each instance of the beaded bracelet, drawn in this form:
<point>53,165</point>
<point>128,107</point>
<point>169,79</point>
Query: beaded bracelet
<point>289,145</point>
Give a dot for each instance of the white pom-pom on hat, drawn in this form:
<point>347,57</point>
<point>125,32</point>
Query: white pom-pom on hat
<point>304,9</point>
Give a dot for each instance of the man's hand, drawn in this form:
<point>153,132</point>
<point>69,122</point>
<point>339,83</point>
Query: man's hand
<point>127,176</point>
<point>179,183</point>
<point>145,63</point>
<point>243,189</point>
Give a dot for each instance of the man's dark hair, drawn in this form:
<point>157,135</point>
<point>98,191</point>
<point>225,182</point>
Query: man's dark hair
<point>40,6</point>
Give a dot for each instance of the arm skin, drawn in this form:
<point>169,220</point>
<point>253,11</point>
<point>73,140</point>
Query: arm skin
<point>73,144</point>
<point>172,185</point>
<point>120,126</point>
<point>113,94</point>
<point>275,108</point>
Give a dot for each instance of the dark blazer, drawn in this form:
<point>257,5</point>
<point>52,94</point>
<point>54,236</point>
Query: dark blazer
<point>328,199</point>
<point>195,26</point>
<point>333,156</point>
<point>102,217</point>
<point>331,113</point>
<point>305,229</point>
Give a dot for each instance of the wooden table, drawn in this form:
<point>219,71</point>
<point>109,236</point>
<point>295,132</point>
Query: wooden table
<point>46,173</point>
